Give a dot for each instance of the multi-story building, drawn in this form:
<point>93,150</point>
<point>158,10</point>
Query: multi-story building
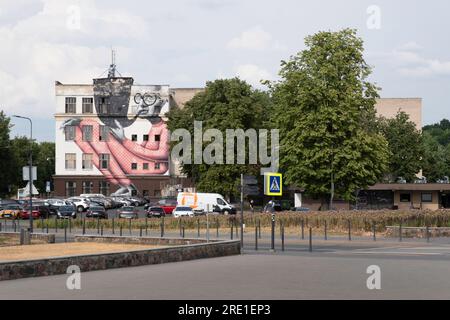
<point>111,137</point>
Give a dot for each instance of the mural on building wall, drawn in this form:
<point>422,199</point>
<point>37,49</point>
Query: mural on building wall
<point>119,105</point>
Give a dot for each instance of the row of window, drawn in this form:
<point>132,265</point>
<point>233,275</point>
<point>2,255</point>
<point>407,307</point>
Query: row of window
<point>425,197</point>
<point>87,133</point>
<point>87,105</point>
<point>87,162</point>
<point>103,188</point>
<point>87,187</point>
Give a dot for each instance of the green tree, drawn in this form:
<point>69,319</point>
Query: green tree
<point>325,110</point>
<point>20,151</point>
<point>6,159</point>
<point>225,104</point>
<point>45,162</point>
<point>440,132</point>
<point>436,158</point>
<point>405,146</point>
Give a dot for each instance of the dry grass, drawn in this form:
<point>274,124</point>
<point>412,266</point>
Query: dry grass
<point>361,221</point>
<point>9,241</point>
<point>39,251</point>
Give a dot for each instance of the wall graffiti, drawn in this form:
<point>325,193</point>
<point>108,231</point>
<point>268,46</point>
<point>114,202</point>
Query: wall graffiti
<point>137,140</point>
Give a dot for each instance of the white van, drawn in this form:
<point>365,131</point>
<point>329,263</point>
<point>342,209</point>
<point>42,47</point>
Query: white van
<point>206,202</point>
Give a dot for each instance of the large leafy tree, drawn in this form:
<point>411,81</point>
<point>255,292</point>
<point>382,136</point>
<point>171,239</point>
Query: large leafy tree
<point>436,158</point>
<point>440,132</point>
<point>405,146</point>
<point>6,156</point>
<point>225,104</point>
<point>324,108</point>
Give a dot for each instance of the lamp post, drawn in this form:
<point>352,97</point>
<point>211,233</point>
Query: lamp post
<point>30,170</point>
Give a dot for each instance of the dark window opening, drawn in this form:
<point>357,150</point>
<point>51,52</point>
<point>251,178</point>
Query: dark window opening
<point>427,197</point>
<point>405,197</point>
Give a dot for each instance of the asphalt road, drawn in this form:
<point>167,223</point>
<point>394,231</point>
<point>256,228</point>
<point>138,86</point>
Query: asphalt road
<point>408,271</point>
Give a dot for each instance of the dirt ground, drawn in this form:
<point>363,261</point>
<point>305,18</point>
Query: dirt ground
<point>6,241</point>
<point>38,251</point>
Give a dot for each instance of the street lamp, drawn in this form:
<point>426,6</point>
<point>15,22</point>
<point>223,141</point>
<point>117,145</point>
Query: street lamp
<point>30,170</point>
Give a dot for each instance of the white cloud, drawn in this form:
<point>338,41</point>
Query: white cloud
<point>253,74</point>
<point>38,49</point>
<point>255,39</point>
<point>408,61</point>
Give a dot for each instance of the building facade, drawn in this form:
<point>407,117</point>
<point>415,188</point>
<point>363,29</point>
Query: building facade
<point>111,137</point>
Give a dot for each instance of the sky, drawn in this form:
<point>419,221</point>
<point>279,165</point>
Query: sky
<point>186,43</point>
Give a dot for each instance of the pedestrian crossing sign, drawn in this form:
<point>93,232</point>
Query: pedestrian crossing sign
<point>273,184</point>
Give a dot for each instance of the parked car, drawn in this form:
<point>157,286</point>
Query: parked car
<point>168,205</point>
<point>128,213</point>
<point>155,212</point>
<point>122,202</point>
<point>39,211</point>
<point>98,202</point>
<point>54,204</point>
<point>301,209</point>
<point>97,212</point>
<point>68,211</point>
<point>11,211</point>
<point>82,204</point>
<point>183,211</point>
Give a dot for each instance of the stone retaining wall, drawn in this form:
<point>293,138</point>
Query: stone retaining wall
<point>54,266</point>
<point>48,238</point>
<point>417,232</point>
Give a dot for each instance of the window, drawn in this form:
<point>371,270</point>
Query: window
<point>157,193</point>
<point>70,133</point>
<point>71,189</point>
<point>427,197</point>
<point>103,106</point>
<point>145,193</point>
<point>157,138</point>
<point>88,187</point>
<point>87,162</point>
<point>88,104</point>
<point>134,137</point>
<point>104,188</point>
<point>71,105</point>
<point>157,166</point>
<point>145,166</point>
<point>145,138</point>
<point>104,133</point>
<point>134,166</point>
<point>71,161</point>
<point>104,161</point>
<point>221,202</point>
<point>405,197</point>
<point>87,133</point>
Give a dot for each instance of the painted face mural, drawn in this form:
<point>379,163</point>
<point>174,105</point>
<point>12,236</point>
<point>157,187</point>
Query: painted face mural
<point>129,137</point>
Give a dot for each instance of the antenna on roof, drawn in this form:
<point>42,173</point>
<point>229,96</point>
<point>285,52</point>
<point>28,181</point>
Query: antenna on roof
<point>112,67</point>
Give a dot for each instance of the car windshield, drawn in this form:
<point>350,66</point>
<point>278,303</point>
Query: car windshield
<point>13,207</point>
<point>66,208</point>
<point>97,209</point>
<point>128,209</point>
<point>156,209</point>
<point>183,209</point>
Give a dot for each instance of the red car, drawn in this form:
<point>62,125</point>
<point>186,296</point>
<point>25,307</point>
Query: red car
<point>25,213</point>
<point>168,205</point>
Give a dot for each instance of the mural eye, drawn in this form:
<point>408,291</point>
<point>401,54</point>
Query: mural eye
<point>138,98</point>
<point>150,99</point>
